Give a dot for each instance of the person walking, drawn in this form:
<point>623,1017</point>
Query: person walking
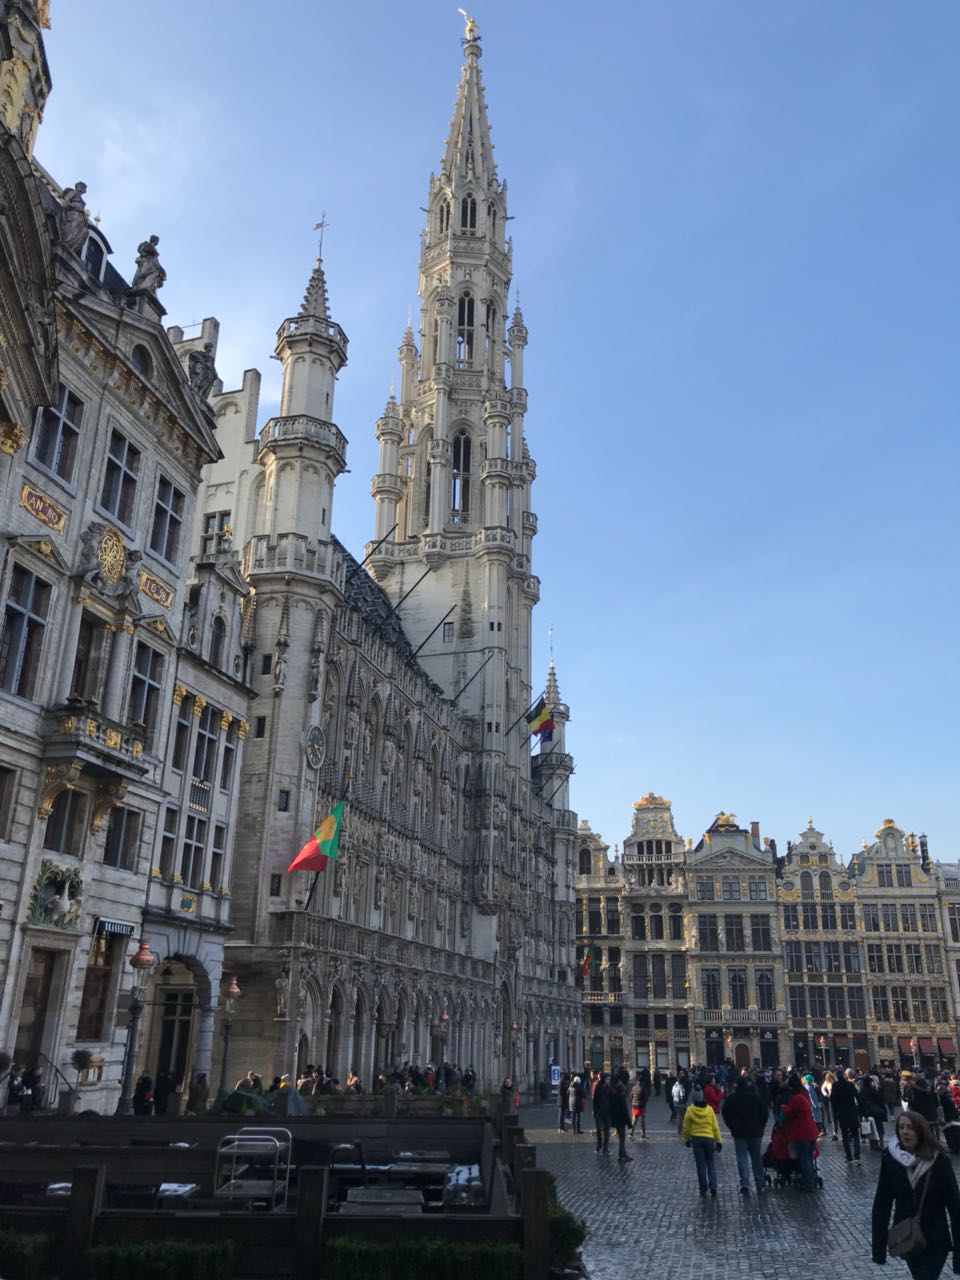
<point>917,1181</point>
<point>873,1107</point>
<point>143,1096</point>
<point>601,1113</point>
<point>678,1103</point>
<point>620,1118</point>
<point>813,1094</point>
<point>579,1102</point>
<point>668,1094</point>
<point>845,1103</point>
<point>639,1096</point>
<point>826,1092</point>
<point>563,1101</point>
<point>800,1128</point>
<point>701,1132</point>
<point>745,1116</point>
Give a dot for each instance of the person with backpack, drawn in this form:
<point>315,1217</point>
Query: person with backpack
<point>745,1115</point>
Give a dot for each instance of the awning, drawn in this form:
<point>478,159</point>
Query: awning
<point>947,1048</point>
<point>925,1045</point>
<point>905,1044</point>
<point>113,926</point>
<point>841,1042</point>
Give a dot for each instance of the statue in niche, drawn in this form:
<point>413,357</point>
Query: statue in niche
<point>367,741</point>
<point>149,275</point>
<point>280,671</point>
<point>72,223</point>
<point>352,726</point>
<point>413,901</point>
<point>417,777</point>
<point>280,986</point>
<point>378,890</point>
<point>315,672</point>
<point>201,370</point>
<point>389,756</point>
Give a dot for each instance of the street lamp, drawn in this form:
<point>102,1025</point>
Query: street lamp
<point>230,998</point>
<point>141,963</point>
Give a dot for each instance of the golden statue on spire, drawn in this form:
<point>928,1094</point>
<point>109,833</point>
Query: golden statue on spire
<point>470,30</point>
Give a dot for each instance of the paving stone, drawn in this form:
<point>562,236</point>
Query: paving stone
<point>648,1218</point>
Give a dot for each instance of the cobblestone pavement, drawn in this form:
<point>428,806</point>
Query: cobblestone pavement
<point>646,1218</point>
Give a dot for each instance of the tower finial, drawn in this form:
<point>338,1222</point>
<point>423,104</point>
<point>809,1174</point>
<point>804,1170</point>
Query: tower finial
<point>470,32</point>
<point>321,226</point>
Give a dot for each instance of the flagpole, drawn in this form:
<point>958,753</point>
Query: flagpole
<point>316,874</point>
<point>525,713</point>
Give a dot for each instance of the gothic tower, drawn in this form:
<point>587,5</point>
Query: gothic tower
<point>453,521</point>
<point>296,572</point>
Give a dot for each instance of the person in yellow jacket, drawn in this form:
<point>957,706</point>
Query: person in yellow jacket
<point>702,1133</point>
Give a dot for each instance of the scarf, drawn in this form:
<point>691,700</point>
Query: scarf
<point>915,1168</point>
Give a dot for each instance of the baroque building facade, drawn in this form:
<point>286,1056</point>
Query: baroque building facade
<point>773,960</point>
<point>103,440</point>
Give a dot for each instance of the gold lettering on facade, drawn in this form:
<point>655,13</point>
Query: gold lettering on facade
<point>43,508</point>
<point>156,590</point>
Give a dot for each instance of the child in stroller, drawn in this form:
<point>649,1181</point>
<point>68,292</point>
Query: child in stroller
<point>784,1169</point>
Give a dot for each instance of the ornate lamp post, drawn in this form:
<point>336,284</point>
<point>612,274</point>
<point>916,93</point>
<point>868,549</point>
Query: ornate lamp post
<point>230,998</point>
<point>142,964</point>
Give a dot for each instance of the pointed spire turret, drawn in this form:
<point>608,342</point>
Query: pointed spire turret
<point>552,693</point>
<point>468,152</point>
<point>315,300</point>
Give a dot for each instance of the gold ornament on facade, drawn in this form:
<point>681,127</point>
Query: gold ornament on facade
<point>650,800</point>
<point>885,826</point>
<point>198,706</point>
<point>243,730</point>
<point>43,13</point>
<point>179,693</point>
<point>112,555</point>
<point>226,719</point>
<point>12,437</point>
<point>725,821</point>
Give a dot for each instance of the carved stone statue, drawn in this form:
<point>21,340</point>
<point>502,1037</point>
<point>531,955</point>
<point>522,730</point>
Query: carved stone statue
<point>72,220</point>
<point>352,727</point>
<point>90,555</point>
<point>280,672</point>
<point>281,989</point>
<point>201,370</point>
<point>389,756</point>
<point>316,670</point>
<point>378,890</point>
<point>149,275</point>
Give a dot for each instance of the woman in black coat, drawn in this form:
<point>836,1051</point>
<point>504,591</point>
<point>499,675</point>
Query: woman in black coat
<point>912,1161</point>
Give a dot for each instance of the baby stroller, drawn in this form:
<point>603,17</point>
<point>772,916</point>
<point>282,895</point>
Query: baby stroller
<point>784,1168</point>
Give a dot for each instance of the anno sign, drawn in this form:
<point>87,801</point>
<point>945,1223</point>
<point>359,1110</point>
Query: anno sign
<point>43,508</point>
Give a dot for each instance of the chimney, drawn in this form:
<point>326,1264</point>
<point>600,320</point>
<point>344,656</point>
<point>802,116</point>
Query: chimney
<point>924,851</point>
<point>755,833</point>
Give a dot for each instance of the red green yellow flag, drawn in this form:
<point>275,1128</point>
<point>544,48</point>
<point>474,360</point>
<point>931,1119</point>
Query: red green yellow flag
<point>322,845</point>
<point>590,957</point>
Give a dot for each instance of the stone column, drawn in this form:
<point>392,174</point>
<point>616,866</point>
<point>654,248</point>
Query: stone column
<point>71,633</point>
<point>203,1055</point>
<point>117,672</point>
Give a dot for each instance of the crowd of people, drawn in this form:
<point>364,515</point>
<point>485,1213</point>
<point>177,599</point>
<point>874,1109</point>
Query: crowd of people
<point>917,1187</point>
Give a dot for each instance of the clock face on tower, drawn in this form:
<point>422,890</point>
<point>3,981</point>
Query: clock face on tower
<point>315,746</point>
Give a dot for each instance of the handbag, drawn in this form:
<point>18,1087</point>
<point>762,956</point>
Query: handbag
<point>905,1236</point>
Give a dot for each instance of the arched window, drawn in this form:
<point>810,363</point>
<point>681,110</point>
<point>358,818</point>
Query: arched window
<point>806,883</point>
<point>425,462</point>
<point>492,218</point>
<point>444,219</point>
<point>141,360</point>
<point>94,256</point>
<point>826,885</point>
<point>468,214</point>
<point>490,336</point>
<point>460,489</point>
<point>585,861</point>
<point>218,640</point>
<point>465,331</point>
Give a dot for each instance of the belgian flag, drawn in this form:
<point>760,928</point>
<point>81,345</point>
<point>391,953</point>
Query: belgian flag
<point>540,717</point>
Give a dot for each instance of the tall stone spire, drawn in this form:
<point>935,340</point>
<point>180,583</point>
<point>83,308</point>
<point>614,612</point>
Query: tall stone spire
<point>455,473</point>
<point>468,152</point>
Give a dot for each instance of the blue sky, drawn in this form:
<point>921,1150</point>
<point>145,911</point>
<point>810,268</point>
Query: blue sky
<point>735,244</point>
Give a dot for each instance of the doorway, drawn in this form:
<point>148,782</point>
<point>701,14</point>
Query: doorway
<point>741,1056</point>
<point>176,1025</point>
<point>35,1007</point>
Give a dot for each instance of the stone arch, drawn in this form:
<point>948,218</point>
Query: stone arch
<point>335,1028</point>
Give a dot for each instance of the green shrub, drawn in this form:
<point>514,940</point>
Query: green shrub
<point>350,1259</point>
<point>25,1257</point>
<point>162,1260</point>
<point>566,1231</point>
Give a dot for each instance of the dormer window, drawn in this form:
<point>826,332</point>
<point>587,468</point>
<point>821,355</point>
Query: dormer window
<point>468,214</point>
<point>465,331</point>
<point>142,361</point>
<point>460,488</point>
<point>95,256</point>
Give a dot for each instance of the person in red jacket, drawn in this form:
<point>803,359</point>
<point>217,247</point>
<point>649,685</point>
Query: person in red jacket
<point>712,1095</point>
<point>800,1128</point>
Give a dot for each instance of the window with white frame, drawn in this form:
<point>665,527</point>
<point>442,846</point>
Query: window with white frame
<point>123,839</point>
<point>167,520</point>
<point>145,688</point>
<point>58,435</point>
<point>119,492</point>
<point>24,624</point>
